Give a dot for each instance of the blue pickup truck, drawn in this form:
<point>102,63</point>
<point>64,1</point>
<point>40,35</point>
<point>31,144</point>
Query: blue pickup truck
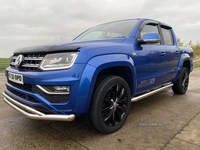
<point>99,73</point>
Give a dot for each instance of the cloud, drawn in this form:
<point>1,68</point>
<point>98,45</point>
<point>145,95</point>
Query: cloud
<point>24,23</point>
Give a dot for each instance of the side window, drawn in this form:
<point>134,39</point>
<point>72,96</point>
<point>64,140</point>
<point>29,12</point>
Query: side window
<point>167,35</point>
<point>149,28</point>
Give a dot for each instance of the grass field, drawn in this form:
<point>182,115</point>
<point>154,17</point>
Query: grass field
<point>197,64</point>
<point>4,62</point>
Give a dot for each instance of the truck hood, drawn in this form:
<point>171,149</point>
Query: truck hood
<point>72,46</point>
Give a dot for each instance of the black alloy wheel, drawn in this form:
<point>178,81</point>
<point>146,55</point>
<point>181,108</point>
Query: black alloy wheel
<point>181,85</point>
<point>111,104</point>
<point>114,105</point>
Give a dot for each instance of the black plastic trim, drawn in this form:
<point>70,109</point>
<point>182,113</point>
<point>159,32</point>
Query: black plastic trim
<point>45,49</point>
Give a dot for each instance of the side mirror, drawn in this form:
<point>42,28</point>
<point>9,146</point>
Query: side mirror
<point>149,38</point>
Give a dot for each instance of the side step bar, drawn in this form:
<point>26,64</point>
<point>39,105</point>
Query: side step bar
<point>150,93</point>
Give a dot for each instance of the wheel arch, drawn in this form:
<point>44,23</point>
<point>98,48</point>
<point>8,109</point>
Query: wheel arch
<point>184,61</point>
<point>114,64</point>
<point>187,64</point>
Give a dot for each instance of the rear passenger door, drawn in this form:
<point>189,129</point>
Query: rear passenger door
<point>172,52</point>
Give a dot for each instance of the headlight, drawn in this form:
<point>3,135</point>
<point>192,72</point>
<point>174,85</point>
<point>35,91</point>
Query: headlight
<point>58,61</point>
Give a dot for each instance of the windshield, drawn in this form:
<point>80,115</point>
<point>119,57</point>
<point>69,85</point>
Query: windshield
<point>119,29</point>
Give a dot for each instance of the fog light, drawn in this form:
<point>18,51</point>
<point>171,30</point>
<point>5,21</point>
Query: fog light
<point>62,88</point>
<point>55,89</point>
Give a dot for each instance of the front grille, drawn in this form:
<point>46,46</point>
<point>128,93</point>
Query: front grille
<point>30,61</point>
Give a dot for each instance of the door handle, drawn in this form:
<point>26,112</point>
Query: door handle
<point>162,53</point>
<point>177,52</point>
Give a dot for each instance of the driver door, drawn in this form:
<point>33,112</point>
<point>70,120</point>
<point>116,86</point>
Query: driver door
<point>150,60</point>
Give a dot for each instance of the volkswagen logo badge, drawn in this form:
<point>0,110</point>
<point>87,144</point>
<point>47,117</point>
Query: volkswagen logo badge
<point>18,60</point>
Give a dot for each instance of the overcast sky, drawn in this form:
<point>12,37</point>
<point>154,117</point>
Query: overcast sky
<point>35,22</point>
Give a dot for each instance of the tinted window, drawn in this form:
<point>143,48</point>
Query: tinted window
<point>167,35</point>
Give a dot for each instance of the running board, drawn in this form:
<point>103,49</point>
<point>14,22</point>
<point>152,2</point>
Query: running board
<point>150,93</point>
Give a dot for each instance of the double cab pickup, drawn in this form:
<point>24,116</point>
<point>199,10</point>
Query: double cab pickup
<point>99,73</point>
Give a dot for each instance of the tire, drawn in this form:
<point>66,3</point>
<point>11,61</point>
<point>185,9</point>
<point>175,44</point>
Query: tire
<point>110,105</point>
<point>181,85</point>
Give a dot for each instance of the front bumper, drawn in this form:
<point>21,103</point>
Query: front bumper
<point>35,114</point>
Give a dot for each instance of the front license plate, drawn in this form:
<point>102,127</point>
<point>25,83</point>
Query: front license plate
<point>17,78</point>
